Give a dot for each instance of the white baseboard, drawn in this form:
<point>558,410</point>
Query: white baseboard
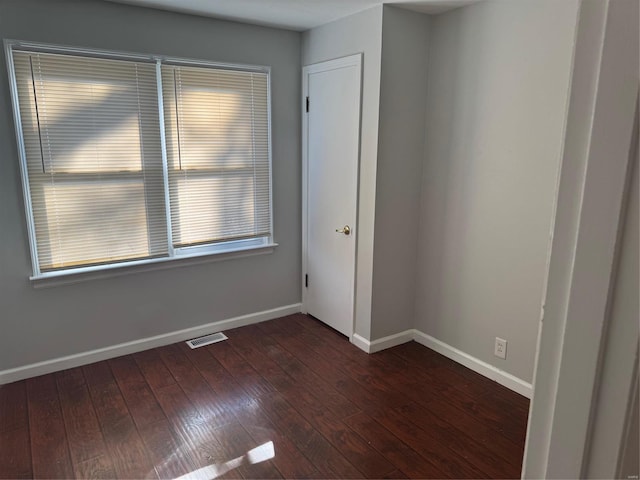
<point>41,368</point>
<point>360,342</point>
<point>84,358</point>
<point>382,343</point>
<point>483,368</point>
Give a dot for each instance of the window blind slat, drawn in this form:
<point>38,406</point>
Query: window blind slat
<point>217,138</point>
<point>90,128</point>
<point>94,159</point>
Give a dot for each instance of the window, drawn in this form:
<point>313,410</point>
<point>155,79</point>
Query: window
<point>223,177</point>
<point>127,159</point>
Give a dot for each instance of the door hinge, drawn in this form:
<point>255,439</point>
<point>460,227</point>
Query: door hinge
<point>306,280</point>
<point>307,104</point>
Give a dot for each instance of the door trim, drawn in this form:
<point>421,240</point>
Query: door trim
<point>348,61</point>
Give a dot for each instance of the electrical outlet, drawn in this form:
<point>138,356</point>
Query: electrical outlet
<point>500,349</point>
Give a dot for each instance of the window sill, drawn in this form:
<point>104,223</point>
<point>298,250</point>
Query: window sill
<point>67,277</point>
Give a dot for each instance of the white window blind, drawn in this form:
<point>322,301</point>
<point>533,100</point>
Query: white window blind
<point>99,187</point>
<point>93,153</point>
<point>217,134</point>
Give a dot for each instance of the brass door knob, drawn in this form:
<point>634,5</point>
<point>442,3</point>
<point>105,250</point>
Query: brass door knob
<point>346,230</point>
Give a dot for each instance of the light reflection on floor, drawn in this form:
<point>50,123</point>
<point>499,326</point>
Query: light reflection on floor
<point>261,453</point>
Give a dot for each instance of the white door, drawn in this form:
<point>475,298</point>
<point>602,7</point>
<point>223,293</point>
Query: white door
<point>331,137</point>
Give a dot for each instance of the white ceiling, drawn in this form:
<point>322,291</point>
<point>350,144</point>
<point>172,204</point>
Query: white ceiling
<point>290,14</point>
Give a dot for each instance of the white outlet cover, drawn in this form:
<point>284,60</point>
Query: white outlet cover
<point>500,349</point>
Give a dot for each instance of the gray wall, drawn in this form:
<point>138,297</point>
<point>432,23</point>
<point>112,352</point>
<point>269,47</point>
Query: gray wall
<point>401,143</point>
<point>359,33</point>
<point>497,97</point>
<point>104,312</point>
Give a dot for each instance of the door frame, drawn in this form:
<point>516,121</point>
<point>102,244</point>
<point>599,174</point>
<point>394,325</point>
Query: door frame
<point>581,267</point>
<point>348,61</point>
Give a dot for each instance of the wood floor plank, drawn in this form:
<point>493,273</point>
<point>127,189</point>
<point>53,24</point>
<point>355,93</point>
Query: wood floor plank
<point>426,357</point>
<point>15,453</point>
<point>97,467</point>
<point>401,383</point>
<point>127,451</point>
<point>370,369</point>
<point>13,406</point>
<point>510,451</point>
<point>249,346</point>
<point>141,402</point>
<point>460,381</point>
<point>460,441</point>
<point>237,443</point>
<point>154,371</point>
<point>358,365</point>
<point>177,408</point>
<point>334,400</point>
<point>517,401</point>
<point>474,396</point>
<point>418,373</point>
<point>240,370</point>
<point>310,404</point>
<point>170,458</point>
<point>70,379</point>
<point>254,385</point>
<point>218,413</point>
<point>395,474</point>
<point>429,446</point>
<point>191,429</point>
<point>15,446</point>
<point>393,449</point>
<point>288,460</point>
<point>328,409</point>
<point>510,403</point>
<point>491,415</point>
<point>81,424</point>
<point>126,448</point>
<point>328,460</point>
<point>210,368</point>
<point>269,359</point>
<point>109,404</point>
<point>49,448</point>
<point>456,375</point>
<point>355,449</point>
<point>369,398</point>
<point>491,388</point>
<point>210,449</point>
<point>97,373</point>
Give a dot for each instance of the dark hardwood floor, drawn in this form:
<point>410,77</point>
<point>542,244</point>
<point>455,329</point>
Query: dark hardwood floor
<point>330,410</point>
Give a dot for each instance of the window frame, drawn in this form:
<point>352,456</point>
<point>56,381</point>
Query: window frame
<point>224,250</point>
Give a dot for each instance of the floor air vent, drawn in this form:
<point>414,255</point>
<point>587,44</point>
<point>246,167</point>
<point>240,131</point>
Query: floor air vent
<point>206,340</point>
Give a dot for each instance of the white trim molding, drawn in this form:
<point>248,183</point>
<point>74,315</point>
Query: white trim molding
<point>593,178</point>
<point>483,368</point>
<point>85,358</point>
<point>382,343</point>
